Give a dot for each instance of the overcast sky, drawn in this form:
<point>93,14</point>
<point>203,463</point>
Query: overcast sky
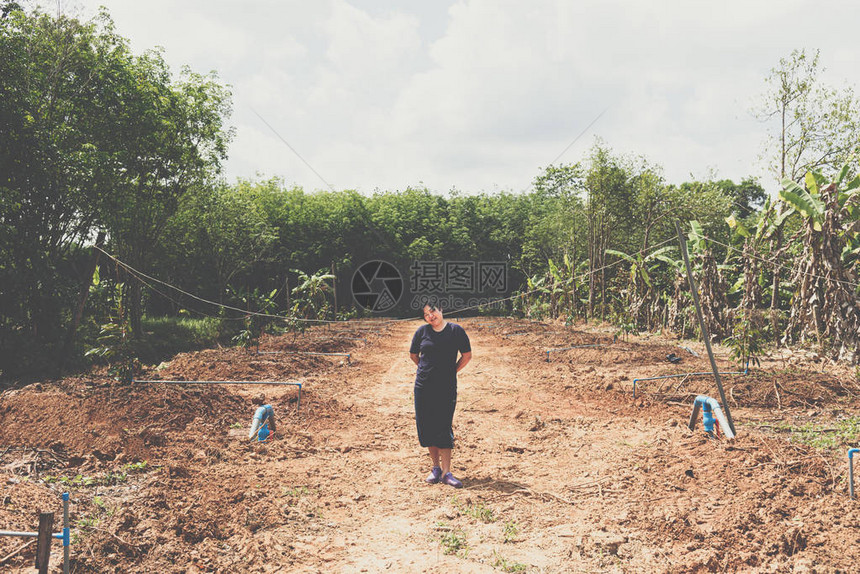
<point>481,95</point>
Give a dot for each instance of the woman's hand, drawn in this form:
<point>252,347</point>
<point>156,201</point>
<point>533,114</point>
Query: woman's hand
<point>464,360</point>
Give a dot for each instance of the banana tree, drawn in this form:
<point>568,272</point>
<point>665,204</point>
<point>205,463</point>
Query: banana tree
<point>768,224</point>
<point>312,294</point>
<point>826,305</point>
<point>533,298</point>
<point>562,288</point>
<point>641,297</point>
<point>712,287</point>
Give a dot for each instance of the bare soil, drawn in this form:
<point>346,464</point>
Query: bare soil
<point>564,470</point>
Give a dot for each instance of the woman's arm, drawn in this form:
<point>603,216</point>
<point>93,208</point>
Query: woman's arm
<point>414,357</point>
<point>464,360</point>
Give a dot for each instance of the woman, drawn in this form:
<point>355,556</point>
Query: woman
<point>434,350</point>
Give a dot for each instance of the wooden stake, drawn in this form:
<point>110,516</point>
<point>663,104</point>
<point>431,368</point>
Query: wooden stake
<point>705,335</point>
<point>43,546</point>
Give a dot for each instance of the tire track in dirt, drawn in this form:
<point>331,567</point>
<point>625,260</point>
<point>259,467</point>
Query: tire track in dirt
<point>587,478</point>
<point>520,446</point>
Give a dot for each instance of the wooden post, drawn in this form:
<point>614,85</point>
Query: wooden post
<point>43,546</point>
<point>334,287</point>
<point>705,335</point>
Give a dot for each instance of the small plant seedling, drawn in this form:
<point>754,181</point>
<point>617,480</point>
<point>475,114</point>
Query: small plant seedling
<point>454,542</point>
<point>479,511</point>
<point>506,565</point>
<point>511,531</point>
<point>103,506</point>
<point>296,492</point>
<point>140,466</point>
<point>87,522</point>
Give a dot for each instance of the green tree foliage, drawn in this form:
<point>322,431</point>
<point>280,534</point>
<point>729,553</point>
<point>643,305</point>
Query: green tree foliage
<point>826,306</point>
<point>94,137</point>
<point>814,126</point>
<point>98,139</point>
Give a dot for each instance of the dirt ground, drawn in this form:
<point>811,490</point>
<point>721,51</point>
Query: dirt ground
<point>564,470</point>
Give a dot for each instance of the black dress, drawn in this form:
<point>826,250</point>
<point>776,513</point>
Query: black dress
<point>436,382</point>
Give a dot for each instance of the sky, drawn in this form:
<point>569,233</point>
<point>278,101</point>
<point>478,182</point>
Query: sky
<point>482,95</point>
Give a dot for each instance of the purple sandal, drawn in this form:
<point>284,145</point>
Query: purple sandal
<point>451,481</point>
<point>435,475</point>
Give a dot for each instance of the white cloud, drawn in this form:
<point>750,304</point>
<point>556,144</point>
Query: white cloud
<point>481,94</point>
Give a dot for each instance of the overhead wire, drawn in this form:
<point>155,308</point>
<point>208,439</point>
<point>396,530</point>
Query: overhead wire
<point>582,133</point>
<point>138,274</point>
<point>579,278</point>
<point>147,280</point>
<point>777,265</point>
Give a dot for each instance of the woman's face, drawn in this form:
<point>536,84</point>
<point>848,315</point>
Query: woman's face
<point>433,315</point>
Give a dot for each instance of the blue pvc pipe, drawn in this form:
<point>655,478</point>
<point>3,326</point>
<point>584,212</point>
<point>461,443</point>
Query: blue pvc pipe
<point>65,535</point>
<point>66,532</point>
<point>851,452</point>
<point>264,417</point>
<point>712,413</point>
<point>744,372</point>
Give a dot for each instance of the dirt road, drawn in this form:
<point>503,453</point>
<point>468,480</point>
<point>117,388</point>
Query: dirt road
<point>564,471</point>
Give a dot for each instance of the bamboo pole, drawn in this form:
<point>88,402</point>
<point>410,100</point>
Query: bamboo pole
<point>705,335</point>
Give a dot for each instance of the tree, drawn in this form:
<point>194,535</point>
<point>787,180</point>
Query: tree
<point>816,127</point>
<point>51,81</point>
<point>609,210</point>
<point>169,140</point>
<point>94,139</point>
<point>555,218</point>
<point>826,306</point>
<point>222,231</point>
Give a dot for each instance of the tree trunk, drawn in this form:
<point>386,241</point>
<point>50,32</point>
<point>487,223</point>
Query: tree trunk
<point>774,296</point>
<point>82,301</point>
<point>135,309</point>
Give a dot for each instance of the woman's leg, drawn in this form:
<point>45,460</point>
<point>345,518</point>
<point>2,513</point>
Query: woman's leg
<point>444,460</point>
<point>434,455</point>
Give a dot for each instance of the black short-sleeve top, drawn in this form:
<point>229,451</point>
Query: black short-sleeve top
<point>437,364</point>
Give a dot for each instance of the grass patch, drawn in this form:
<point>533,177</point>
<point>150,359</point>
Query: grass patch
<point>506,565</point>
<point>164,337</point>
<point>510,532</point>
<point>827,436</point>
<point>110,478</point>
<point>107,479</point>
<point>454,542</point>
<point>479,511</point>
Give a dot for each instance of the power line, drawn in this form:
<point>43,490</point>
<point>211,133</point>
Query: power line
<point>292,149</point>
<point>777,265</point>
<point>582,133</point>
<point>137,274</point>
